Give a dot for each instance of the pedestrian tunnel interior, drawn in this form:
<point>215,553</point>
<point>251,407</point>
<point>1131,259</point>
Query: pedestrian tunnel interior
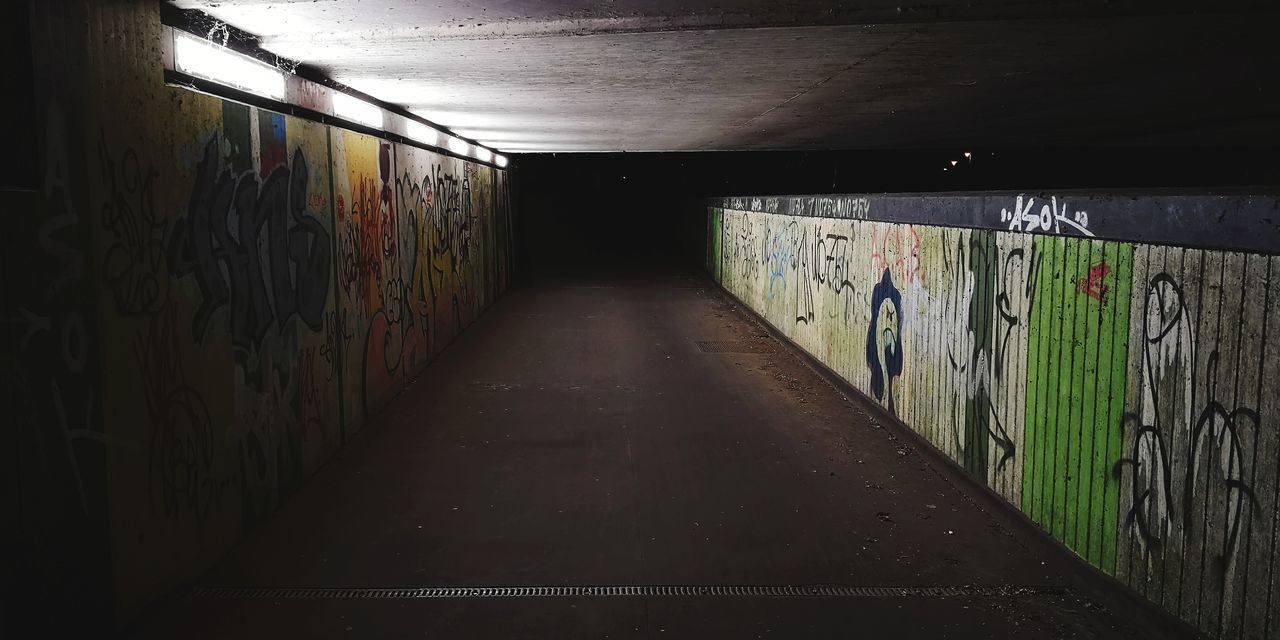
<point>642,321</point>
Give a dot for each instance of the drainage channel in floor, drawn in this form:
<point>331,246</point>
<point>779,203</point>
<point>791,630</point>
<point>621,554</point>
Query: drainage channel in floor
<point>778,591</point>
<point>733,346</point>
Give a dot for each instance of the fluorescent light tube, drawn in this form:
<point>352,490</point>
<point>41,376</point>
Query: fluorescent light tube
<point>357,110</point>
<point>424,134</point>
<point>204,59</point>
<point>459,146</point>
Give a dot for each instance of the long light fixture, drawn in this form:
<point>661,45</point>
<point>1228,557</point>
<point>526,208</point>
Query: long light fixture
<point>198,57</point>
<point>357,110</point>
<point>204,59</point>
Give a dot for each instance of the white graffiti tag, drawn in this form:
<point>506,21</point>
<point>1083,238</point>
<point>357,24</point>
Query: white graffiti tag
<point>1051,217</point>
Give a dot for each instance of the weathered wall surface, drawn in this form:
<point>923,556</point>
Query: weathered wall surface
<point>225,295</point>
<point>215,252</point>
<point>54,522</point>
<point>1121,394</point>
<point>55,518</point>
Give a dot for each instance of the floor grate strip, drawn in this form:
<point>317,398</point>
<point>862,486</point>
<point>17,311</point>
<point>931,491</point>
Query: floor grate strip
<point>767,591</point>
<point>734,346</point>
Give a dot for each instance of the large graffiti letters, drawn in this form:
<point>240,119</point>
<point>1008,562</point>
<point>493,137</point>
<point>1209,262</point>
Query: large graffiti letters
<point>50,363</point>
<point>1159,469</point>
<point>1167,348</point>
<point>252,247</point>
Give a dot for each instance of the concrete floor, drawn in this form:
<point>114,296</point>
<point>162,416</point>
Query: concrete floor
<point>577,434</point>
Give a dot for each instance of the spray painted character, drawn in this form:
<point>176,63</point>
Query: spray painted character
<point>884,339</point>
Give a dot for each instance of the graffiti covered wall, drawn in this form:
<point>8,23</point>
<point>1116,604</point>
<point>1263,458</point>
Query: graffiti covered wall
<point>420,252</point>
<point>230,294</point>
<point>216,275</point>
<point>1121,394</point>
<point>268,289</point>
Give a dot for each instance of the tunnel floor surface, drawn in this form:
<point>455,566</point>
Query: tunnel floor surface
<point>643,432</point>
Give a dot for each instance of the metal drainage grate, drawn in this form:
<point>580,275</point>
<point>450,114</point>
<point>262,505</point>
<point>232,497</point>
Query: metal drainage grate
<point>785,591</point>
<point>493,386</point>
<point>733,346</point>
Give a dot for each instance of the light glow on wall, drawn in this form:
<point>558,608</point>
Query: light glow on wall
<point>463,119</point>
<point>500,160</point>
<point>356,110</point>
<point>484,155</point>
<point>477,134</point>
<point>204,59</point>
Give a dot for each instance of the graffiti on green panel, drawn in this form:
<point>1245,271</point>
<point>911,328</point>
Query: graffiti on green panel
<point>972,268</point>
<point>1076,357</point>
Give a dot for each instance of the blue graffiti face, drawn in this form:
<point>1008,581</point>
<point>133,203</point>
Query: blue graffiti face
<point>884,339</point>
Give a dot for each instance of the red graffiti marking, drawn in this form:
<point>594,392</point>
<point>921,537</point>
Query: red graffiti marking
<point>1092,285</point>
<point>342,207</point>
<point>316,200</point>
<point>372,207</point>
<point>898,253</point>
<point>312,96</point>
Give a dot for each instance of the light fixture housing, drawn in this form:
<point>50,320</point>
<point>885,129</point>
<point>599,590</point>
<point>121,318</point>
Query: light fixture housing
<point>191,55</point>
<point>357,110</point>
<point>203,59</point>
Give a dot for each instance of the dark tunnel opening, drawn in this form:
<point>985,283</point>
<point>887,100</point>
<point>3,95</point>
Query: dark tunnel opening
<point>631,212</point>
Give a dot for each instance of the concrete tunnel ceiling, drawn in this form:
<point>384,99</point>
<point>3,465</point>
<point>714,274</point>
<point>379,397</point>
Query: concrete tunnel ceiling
<point>576,76</point>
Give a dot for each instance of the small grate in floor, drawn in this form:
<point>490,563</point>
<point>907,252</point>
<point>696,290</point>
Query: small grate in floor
<point>493,386</point>
<point>779,591</point>
<point>733,346</point>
